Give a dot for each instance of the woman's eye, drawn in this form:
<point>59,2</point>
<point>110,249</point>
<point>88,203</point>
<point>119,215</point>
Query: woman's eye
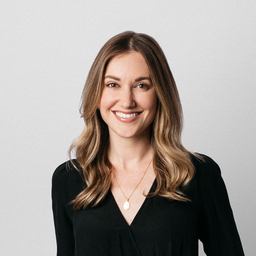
<point>142,86</point>
<point>111,85</point>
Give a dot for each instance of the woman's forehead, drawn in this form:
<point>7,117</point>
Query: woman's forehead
<point>132,63</point>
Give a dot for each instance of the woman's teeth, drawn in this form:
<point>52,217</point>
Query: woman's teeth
<point>126,115</point>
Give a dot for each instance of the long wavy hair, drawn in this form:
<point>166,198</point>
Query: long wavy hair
<point>172,162</point>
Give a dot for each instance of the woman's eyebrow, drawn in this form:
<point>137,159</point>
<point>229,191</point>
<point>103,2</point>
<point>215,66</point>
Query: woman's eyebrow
<point>142,78</point>
<point>136,80</point>
<point>113,77</point>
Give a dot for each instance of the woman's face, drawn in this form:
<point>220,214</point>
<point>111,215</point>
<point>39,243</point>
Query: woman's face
<point>128,102</point>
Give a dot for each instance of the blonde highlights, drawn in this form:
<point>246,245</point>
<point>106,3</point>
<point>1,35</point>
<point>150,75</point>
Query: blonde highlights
<point>172,163</point>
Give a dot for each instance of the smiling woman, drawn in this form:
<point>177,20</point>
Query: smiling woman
<point>133,188</point>
<point>128,101</point>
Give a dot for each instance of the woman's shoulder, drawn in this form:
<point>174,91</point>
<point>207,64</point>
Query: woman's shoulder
<point>203,162</point>
<point>205,167</point>
<point>68,179</point>
<point>207,176</point>
<point>69,170</point>
<point>65,169</point>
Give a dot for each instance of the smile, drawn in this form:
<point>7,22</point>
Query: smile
<point>126,116</point>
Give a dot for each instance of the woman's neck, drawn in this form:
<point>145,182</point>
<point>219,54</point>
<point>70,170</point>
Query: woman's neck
<point>127,152</point>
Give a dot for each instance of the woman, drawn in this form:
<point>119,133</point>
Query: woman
<point>133,188</point>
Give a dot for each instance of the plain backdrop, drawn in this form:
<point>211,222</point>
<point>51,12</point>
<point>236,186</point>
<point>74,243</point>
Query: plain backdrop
<point>47,48</point>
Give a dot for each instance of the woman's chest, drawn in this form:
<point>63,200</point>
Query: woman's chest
<point>159,222</point>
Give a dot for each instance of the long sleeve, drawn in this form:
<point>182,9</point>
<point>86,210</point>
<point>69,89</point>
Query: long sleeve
<point>62,221</point>
<point>217,228</point>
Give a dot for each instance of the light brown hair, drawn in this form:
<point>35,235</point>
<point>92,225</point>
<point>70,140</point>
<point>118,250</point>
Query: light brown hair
<point>172,162</point>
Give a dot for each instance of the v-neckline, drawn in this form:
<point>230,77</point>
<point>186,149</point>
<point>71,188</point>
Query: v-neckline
<point>140,209</point>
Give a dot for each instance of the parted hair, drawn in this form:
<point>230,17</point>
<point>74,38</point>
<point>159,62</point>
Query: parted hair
<point>171,161</point>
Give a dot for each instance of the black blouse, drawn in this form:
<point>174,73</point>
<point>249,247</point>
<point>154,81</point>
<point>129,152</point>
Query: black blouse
<point>161,227</point>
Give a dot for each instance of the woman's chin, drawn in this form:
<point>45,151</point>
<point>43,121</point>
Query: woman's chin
<point>128,133</point>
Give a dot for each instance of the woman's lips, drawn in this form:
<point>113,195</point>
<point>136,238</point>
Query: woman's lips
<point>123,115</point>
<point>126,117</point>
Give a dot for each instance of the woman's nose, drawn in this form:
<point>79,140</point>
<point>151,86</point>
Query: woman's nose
<point>127,99</point>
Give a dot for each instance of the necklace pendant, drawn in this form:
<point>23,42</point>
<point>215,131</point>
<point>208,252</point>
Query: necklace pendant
<point>126,205</point>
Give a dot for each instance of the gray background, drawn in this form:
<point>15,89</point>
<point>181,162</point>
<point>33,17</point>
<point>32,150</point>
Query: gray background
<point>47,48</point>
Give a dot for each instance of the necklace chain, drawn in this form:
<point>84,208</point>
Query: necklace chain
<point>126,205</point>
